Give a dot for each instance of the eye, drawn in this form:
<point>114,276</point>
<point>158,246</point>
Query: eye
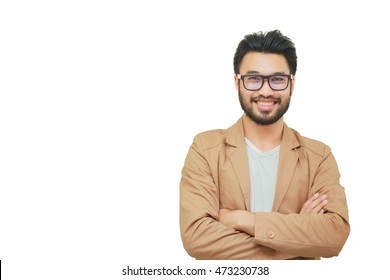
<point>278,79</point>
<point>253,79</point>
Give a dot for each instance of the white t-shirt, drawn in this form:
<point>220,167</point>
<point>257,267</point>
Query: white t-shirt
<point>263,170</point>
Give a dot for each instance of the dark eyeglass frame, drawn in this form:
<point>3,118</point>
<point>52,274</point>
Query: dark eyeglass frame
<point>242,77</point>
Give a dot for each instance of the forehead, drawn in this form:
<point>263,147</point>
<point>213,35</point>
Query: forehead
<point>264,63</point>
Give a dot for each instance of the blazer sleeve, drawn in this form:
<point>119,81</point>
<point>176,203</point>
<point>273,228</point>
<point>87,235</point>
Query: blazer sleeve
<point>202,235</point>
<point>312,234</point>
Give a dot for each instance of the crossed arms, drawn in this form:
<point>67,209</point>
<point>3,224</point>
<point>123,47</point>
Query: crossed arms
<point>319,229</point>
<point>245,221</point>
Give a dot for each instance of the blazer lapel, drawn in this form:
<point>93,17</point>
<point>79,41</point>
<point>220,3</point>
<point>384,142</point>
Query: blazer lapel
<point>287,163</point>
<point>237,154</point>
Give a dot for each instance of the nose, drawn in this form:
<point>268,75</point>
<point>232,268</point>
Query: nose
<point>266,90</point>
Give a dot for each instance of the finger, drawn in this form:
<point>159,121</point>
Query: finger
<point>307,204</point>
<point>314,204</point>
<point>317,204</point>
<point>321,204</point>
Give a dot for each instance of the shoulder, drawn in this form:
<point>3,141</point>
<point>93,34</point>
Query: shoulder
<point>218,138</point>
<point>312,146</point>
<point>211,138</point>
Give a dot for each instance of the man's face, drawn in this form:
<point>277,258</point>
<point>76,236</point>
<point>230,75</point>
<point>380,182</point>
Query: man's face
<point>264,106</point>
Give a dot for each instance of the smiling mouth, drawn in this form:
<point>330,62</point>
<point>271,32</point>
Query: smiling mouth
<point>265,103</point>
<point>266,100</point>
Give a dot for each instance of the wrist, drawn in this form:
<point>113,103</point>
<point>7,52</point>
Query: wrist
<point>247,223</point>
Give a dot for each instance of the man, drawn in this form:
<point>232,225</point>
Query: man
<point>260,190</point>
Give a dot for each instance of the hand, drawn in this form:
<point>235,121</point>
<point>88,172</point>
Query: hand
<point>238,219</point>
<point>315,204</point>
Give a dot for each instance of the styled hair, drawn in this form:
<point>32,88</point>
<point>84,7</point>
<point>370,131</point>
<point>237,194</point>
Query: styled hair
<point>268,42</point>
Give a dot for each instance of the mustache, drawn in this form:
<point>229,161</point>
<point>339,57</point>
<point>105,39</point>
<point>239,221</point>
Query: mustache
<point>262,97</point>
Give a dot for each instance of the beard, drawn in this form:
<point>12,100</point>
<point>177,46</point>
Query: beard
<point>264,118</point>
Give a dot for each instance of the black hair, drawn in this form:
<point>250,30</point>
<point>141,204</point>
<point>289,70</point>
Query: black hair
<point>268,42</point>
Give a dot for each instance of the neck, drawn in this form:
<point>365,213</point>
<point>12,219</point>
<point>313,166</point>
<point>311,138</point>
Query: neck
<point>264,137</point>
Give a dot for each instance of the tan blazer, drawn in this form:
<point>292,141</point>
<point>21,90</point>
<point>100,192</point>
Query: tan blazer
<point>216,175</point>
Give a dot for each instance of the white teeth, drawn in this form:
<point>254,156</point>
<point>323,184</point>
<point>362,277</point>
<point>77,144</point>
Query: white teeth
<point>262,103</point>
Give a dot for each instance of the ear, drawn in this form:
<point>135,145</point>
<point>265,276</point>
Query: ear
<point>292,84</point>
<point>236,82</point>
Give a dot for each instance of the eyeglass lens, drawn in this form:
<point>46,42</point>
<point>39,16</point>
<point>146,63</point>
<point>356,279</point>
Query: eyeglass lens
<point>275,82</point>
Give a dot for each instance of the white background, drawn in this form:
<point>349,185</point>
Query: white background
<point>100,101</point>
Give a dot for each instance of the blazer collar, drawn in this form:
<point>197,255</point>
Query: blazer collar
<point>288,160</point>
<point>237,153</point>
<point>235,134</point>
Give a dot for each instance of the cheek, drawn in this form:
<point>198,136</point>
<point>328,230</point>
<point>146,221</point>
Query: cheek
<point>245,97</point>
<point>285,97</point>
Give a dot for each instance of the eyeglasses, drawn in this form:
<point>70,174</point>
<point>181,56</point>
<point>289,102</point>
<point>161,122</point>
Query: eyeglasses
<point>256,82</point>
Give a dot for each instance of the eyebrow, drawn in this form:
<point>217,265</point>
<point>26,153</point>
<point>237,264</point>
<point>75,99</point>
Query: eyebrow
<point>254,72</point>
